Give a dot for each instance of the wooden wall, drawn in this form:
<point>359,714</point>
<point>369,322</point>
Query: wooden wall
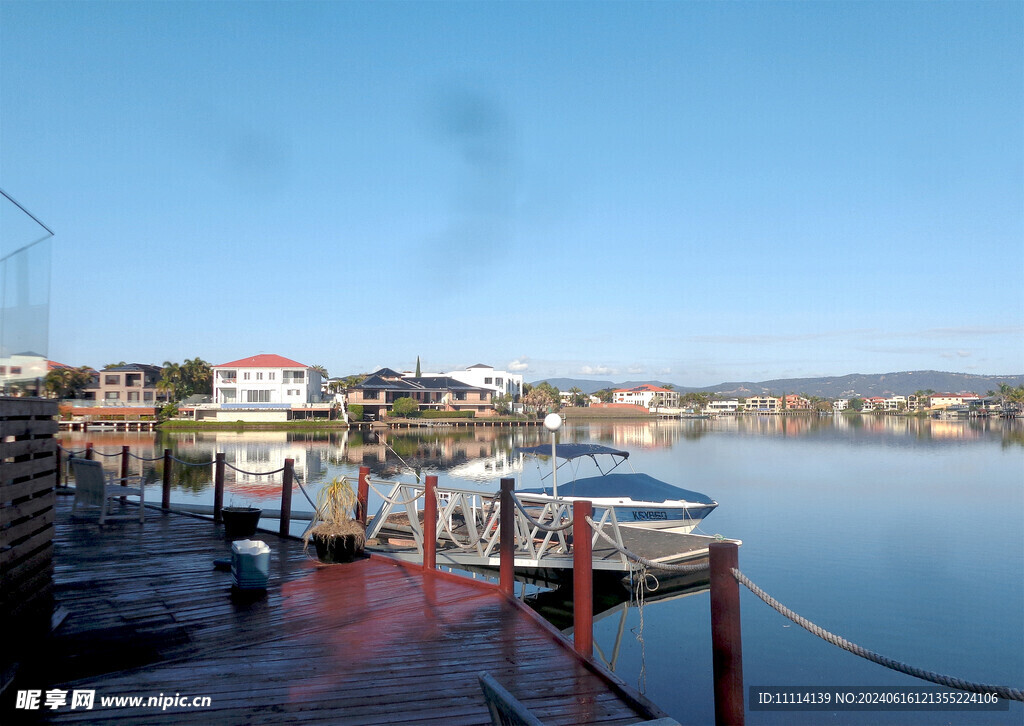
<point>28,469</point>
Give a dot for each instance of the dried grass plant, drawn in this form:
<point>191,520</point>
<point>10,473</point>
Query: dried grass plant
<point>334,517</point>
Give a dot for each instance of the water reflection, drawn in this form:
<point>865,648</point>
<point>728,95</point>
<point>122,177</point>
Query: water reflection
<point>486,454</point>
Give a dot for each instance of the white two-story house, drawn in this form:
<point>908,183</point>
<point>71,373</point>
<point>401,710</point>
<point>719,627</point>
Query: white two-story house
<point>265,381</point>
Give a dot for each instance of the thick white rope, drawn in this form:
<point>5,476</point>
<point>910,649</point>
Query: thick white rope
<point>1013,694</point>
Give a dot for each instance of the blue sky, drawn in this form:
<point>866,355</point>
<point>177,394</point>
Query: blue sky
<point>691,192</point>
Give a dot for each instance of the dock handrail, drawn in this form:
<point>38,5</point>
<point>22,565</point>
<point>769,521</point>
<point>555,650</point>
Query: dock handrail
<point>542,527</point>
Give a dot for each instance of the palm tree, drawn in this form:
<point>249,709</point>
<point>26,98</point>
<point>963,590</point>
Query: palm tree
<point>170,379</point>
<point>321,370</point>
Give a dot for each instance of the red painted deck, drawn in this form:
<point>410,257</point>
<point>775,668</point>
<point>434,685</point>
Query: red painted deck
<point>373,642</point>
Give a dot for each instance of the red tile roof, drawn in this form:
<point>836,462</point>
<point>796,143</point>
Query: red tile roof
<point>641,388</point>
<point>263,361</point>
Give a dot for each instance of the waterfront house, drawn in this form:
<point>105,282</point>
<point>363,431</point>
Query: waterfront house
<point>763,404</point>
<point>133,384</point>
<point>840,404</point>
<point>264,388</point>
<point>485,376</point>
<point>795,402</point>
<point>377,393</point>
<point>647,395</point>
<point>722,407</point>
<point>939,401</point>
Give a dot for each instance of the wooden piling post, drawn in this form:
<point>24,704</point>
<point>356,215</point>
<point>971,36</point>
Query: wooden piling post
<point>726,646</point>
<point>582,579</point>
<point>287,482</point>
<point>165,499</point>
<point>363,493</point>
<point>218,486</point>
<point>507,535</point>
<point>124,469</point>
<point>430,524</point>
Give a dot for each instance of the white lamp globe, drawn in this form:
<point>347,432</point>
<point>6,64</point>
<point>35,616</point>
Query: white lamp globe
<point>552,422</point>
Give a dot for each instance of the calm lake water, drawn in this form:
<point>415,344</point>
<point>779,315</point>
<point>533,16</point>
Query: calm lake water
<point>905,536</point>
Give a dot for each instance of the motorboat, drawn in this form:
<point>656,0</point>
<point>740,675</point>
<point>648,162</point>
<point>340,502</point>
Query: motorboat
<point>638,500</point>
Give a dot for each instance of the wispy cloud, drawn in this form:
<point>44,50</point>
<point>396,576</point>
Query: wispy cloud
<point>519,365</point>
<point>635,370</point>
<point>598,371</point>
<point>957,354</point>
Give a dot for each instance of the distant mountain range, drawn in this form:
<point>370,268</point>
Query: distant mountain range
<point>860,384</point>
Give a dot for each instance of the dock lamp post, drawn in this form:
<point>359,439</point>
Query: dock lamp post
<point>553,422</point>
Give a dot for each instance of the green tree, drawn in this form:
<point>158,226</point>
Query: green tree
<point>856,404</point>
<point>170,380</point>
<point>108,366</point>
<point>503,403</point>
<point>417,366</point>
<point>404,407</point>
<point>579,398</point>
<point>196,378</point>
<point>67,382</point>
<point>540,400</point>
<point>605,395</point>
<point>321,370</point>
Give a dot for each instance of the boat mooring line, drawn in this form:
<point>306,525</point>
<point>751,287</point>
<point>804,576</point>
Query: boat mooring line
<point>1013,694</point>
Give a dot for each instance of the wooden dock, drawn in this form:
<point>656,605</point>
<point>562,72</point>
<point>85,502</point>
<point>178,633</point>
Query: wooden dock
<point>375,641</point>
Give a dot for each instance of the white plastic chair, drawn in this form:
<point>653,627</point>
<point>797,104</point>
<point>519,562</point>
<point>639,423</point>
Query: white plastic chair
<point>92,489</point>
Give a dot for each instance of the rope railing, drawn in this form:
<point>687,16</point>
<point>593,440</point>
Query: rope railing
<point>253,473</point>
<point>145,458</point>
<point>534,523</point>
<point>192,463</point>
<point>1013,694</point>
<point>100,453</point>
<point>641,559</point>
<point>72,452</point>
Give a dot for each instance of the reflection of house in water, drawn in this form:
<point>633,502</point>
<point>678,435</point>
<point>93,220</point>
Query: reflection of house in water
<point>258,452</point>
<point>488,468</point>
<point>388,453</point>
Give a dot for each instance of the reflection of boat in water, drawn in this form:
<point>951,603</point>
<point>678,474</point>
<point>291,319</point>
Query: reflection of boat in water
<point>638,500</point>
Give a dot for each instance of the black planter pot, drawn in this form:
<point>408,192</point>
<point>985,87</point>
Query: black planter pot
<point>240,522</point>
<point>337,548</point>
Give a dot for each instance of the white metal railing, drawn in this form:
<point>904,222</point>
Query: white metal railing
<point>468,519</point>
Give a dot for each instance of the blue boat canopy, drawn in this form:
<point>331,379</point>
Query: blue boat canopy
<point>572,451</point>
<point>639,487</point>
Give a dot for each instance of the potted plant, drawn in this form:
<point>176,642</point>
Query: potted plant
<point>240,522</point>
<point>335,533</point>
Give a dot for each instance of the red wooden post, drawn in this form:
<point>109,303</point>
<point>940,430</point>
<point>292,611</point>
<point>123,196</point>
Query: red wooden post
<point>582,579</point>
<point>218,486</point>
<point>286,496</point>
<point>430,524</point>
<point>165,499</point>
<point>726,647</point>
<point>88,452</point>
<point>507,537</point>
<point>363,495</point>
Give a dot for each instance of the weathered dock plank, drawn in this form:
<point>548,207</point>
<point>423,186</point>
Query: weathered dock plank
<point>374,641</point>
